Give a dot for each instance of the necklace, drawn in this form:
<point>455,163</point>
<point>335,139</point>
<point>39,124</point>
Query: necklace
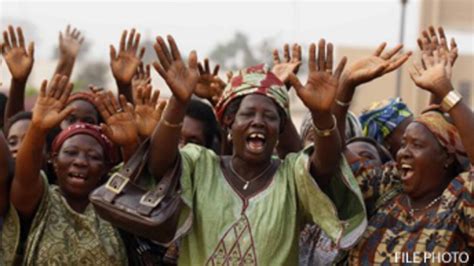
<point>413,210</point>
<point>247,182</point>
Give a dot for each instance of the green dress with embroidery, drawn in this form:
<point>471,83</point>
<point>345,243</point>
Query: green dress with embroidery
<point>61,236</point>
<point>226,230</point>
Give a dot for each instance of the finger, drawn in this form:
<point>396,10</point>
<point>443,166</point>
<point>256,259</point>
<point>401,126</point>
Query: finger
<point>229,75</point>
<point>427,60</point>
<point>159,109</point>
<point>73,32</point>
<point>329,58</point>
<point>44,84</point>
<point>397,62</point>
<point>100,102</point>
<point>31,50</point>
<point>392,52</point>
<point>114,103</point>
<point>426,35</point>
<point>124,104</point>
<point>192,60</point>
<point>201,69</point>
<point>453,53</point>
<point>160,71</point>
<point>66,93</point>
<point>436,57</point>
<point>155,97</point>
<point>420,44</point>
<point>434,37</point>
<point>113,53</point>
<point>295,82</point>
<point>6,41</point>
<point>276,57</point>
<point>142,53</point>
<point>136,43</point>
<point>296,49</point>
<point>216,70</point>
<point>380,48</point>
<point>148,71</point>
<point>122,41</point>
<point>12,36</point>
<point>21,38</point>
<point>340,67</point>
<point>130,40</point>
<point>286,53</point>
<point>53,85</point>
<point>139,100</point>
<point>321,55</point>
<point>312,57</point>
<point>206,66</point>
<point>63,81</point>
<point>147,95</point>
<point>413,74</point>
<point>162,52</point>
<point>426,46</point>
<point>174,48</point>
<point>68,29</point>
<point>66,112</point>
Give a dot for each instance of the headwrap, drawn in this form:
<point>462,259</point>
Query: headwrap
<point>353,127</point>
<point>381,118</point>
<point>82,95</point>
<point>446,134</point>
<point>91,130</point>
<point>253,80</point>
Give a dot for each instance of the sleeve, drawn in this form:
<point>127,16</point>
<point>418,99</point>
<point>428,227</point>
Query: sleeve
<point>340,213</point>
<point>377,184</point>
<point>466,223</point>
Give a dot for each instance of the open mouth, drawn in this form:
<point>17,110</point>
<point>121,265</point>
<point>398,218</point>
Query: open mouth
<point>407,171</point>
<point>256,142</point>
<point>78,178</point>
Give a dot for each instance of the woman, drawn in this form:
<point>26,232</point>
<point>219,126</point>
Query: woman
<point>247,208</point>
<point>85,110</point>
<point>62,226</point>
<point>6,173</point>
<point>370,150</point>
<point>432,220</point>
<point>15,130</point>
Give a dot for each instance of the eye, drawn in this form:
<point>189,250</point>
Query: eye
<point>12,142</point>
<point>89,120</point>
<point>271,116</point>
<point>70,152</point>
<point>71,119</point>
<point>95,156</point>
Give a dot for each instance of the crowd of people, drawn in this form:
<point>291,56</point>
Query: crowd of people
<point>386,187</point>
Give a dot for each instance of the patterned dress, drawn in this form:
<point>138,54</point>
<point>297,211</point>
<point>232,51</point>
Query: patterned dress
<point>444,234</point>
<point>61,236</point>
<point>263,230</point>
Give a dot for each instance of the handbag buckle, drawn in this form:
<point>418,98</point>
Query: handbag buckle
<point>116,183</point>
<point>149,200</point>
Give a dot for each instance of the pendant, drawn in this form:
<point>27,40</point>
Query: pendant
<point>246,185</point>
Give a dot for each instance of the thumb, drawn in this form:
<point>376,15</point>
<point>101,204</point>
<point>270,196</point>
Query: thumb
<point>295,82</point>
<point>65,112</point>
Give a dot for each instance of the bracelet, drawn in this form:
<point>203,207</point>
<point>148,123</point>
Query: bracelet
<point>450,100</point>
<point>343,104</point>
<point>171,125</point>
<point>325,132</point>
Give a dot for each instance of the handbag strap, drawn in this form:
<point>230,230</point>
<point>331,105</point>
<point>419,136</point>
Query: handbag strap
<point>129,172</point>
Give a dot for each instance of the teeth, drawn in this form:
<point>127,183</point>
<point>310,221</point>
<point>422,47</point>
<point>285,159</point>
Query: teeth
<point>406,167</point>
<point>257,135</point>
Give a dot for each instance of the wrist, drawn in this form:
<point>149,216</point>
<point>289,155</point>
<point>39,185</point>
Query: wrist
<point>19,81</point>
<point>38,128</point>
<point>450,100</point>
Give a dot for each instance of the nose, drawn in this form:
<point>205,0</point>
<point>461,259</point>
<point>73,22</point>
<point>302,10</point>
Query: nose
<point>80,160</point>
<point>403,152</point>
<point>258,120</point>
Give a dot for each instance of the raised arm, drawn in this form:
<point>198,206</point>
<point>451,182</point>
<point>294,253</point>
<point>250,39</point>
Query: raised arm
<point>431,41</point>
<point>433,75</point>
<point>124,64</point>
<point>289,140</point>
<point>6,172</point>
<point>48,112</point>
<point>69,45</point>
<point>318,95</point>
<point>209,86</point>
<point>182,81</point>
<point>362,71</point>
<point>20,62</point>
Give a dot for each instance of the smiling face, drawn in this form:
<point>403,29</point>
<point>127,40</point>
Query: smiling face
<point>422,162</point>
<point>15,135</point>
<point>255,129</point>
<point>79,165</point>
<point>84,112</point>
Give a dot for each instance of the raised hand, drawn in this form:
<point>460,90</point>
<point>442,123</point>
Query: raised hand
<point>125,63</point>
<point>209,85</point>
<point>180,78</point>
<point>49,110</point>
<point>430,42</point>
<point>19,60</point>
<point>374,66</point>
<point>142,78</point>
<point>320,90</point>
<point>148,110</point>
<point>70,43</point>
<point>432,73</point>
<point>119,125</point>
<point>290,64</point>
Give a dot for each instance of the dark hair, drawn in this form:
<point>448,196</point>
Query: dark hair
<point>203,113</point>
<point>3,105</point>
<point>24,115</point>
<point>234,105</point>
<point>384,154</point>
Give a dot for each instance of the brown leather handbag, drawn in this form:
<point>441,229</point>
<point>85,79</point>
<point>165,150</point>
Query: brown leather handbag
<point>151,214</point>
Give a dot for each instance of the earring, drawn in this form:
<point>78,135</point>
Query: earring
<point>276,144</point>
<point>229,137</point>
<point>446,165</point>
